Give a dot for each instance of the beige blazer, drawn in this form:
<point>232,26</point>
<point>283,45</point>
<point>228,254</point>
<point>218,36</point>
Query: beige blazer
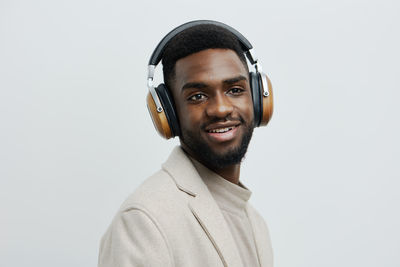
<point>172,220</point>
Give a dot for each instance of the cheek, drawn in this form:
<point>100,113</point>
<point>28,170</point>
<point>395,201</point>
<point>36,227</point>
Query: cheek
<point>246,108</point>
<point>181,112</point>
<point>190,116</point>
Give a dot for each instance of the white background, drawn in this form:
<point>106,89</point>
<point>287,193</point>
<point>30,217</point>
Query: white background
<point>76,139</point>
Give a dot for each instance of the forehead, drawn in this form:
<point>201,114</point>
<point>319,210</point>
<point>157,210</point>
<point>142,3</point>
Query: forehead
<point>208,66</point>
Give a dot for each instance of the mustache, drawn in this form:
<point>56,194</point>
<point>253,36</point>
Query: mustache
<point>226,119</point>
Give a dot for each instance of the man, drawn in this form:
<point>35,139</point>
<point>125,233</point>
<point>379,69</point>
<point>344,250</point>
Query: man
<point>195,210</point>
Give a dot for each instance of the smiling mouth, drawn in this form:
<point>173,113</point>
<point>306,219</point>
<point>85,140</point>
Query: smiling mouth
<point>223,134</point>
<point>221,130</point>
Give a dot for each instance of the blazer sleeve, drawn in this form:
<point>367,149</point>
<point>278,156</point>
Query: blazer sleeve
<point>134,239</point>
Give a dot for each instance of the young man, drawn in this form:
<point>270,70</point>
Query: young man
<point>195,210</point>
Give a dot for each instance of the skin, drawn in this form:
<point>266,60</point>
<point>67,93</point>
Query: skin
<point>211,91</point>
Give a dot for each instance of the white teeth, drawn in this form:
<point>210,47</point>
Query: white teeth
<point>221,130</point>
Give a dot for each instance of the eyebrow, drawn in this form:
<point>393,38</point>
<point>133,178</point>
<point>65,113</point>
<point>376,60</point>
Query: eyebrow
<point>197,85</point>
<point>200,85</point>
<point>234,80</point>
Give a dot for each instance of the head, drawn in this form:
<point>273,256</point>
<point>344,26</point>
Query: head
<point>206,71</point>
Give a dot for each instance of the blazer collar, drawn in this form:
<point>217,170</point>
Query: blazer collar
<point>185,175</point>
<point>203,206</point>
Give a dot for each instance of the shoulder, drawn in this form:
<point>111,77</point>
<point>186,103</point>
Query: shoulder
<point>128,239</point>
<point>139,224</point>
<point>158,186</point>
<point>156,195</point>
<point>256,218</point>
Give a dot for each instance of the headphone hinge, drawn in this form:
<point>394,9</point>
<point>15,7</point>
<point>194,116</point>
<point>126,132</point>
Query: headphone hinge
<point>258,68</point>
<point>251,56</point>
<point>150,85</point>
<point>150,71</point>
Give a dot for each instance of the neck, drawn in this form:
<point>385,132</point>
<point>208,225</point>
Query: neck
<point>230,173</point>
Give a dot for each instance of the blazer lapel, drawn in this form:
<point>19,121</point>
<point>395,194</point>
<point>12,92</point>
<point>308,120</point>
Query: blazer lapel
<point>203,206</point>
<point>212,221</point>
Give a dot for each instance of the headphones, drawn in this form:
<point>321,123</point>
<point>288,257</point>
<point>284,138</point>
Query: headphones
<point>160,101</point>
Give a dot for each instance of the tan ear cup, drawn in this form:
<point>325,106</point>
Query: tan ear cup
<point>159,119</point>
<point>268,104</point>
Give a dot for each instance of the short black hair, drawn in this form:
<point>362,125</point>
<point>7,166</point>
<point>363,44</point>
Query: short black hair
<point>196,39</point>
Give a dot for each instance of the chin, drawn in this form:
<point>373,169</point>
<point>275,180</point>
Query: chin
<point>216,156</point>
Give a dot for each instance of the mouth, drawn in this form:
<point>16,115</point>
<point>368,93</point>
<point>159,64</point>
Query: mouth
<point>222,133</point>
<point>221,130</point>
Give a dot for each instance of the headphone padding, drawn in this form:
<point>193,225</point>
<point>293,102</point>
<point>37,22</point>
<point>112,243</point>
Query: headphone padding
<point>169,108</point>
<point>256,95</point>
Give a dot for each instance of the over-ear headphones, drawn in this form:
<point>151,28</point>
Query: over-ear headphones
<point>160,101</point>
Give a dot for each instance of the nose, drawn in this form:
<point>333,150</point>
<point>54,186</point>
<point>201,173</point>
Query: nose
<point>220,106</point>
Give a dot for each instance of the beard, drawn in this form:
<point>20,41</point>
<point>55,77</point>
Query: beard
<point>206,155</point>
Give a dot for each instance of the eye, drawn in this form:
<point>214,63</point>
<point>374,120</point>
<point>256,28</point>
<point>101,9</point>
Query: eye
<point>236,91</point>
<point>197,97</point>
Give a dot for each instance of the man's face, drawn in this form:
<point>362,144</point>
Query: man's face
<point>214,105</point>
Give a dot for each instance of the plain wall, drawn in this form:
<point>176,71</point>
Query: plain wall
<point>76,138</point>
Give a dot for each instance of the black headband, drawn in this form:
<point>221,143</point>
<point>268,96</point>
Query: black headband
<point>158,52</point>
